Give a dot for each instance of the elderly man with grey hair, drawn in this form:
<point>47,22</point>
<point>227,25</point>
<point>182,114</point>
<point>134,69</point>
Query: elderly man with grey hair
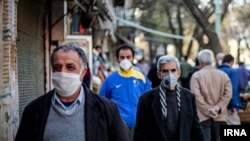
<point>168,112</point>
<point>213,91</point>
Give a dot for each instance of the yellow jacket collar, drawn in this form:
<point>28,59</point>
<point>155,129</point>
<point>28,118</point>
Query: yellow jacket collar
<point>132,73</point>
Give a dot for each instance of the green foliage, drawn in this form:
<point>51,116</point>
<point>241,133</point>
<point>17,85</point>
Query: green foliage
<point>247,89</point>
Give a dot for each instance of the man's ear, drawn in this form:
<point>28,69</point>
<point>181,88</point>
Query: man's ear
<point>179,72</point>
<point>231,63</point>
<point>159,74</point>
<point>84,71</point>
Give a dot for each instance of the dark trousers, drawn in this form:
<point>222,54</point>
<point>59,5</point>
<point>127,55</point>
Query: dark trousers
<point>131,133</point>
<point>211,129</point>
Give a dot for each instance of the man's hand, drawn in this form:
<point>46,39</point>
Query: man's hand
<point>245,96</point>
<point>212,113</point>
<point>217,109</point>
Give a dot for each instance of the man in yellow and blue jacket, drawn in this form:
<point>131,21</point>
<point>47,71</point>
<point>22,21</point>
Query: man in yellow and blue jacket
<point>125,86</point>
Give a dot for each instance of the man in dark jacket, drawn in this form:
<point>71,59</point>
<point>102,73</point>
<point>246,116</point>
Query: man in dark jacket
<point>168,112</point>
<point>71,112</point>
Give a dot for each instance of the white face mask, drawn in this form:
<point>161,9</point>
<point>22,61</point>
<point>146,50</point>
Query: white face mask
<point>65,83</point>
<point>125,64</point>
<point>170,81</point>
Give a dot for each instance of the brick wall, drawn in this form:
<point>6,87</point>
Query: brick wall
<point>8,84</point>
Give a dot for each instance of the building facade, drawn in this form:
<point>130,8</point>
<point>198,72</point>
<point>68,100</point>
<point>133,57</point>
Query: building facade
<point>29,29</point>
<point>8,70</point>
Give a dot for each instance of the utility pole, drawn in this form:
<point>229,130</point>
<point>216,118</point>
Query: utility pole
<point>218,17</point>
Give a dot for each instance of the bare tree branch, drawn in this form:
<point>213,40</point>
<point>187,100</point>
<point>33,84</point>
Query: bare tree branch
<point>179,20</point>
<point>225,8</point>
<point>199,16</point>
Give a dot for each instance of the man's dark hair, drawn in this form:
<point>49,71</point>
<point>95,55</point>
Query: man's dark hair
<point>227,59</point>
<point>241,63</point>
<point>122,47</point>
<point>98,46</point>
<point>197,63</point>
<point>70,47</point>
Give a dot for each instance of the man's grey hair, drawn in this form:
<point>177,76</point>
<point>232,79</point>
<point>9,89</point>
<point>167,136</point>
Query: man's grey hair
<point>165,59</point>
<point>206,57</point>
<point>71,47</point>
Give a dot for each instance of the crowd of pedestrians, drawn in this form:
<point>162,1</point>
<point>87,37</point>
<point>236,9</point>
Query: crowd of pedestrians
<point>167,101</point>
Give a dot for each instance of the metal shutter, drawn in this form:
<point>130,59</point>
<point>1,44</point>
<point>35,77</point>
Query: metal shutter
<point>30,51</point>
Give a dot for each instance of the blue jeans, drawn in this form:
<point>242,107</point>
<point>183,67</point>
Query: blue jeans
<point>211,129</point>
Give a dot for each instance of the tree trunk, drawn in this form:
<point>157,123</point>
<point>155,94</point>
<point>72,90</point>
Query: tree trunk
<point>214,43</point>
<point>178,43</point>
<point>196,30</point>
<point>179,21</point>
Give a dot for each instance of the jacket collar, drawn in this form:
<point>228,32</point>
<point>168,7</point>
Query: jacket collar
<point>224,66</point>
<point>91,111</point>
<point>92,114</point>
<point>156,107</point>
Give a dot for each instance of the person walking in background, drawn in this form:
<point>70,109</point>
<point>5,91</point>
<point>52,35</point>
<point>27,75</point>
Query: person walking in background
<point>219,58</point>
<point>235,102</point>
<point>125,86</point>
<point>194,69</point>
<point>144,66</point>
<point>71,112</point>
<point>152,74</point>
<point>186,69</point>
<point>99,69</point>
<point>243,84</point>
<point>168,112</point>
<point>243,77</point>
<point>213,91</point>
<point>99,58</point>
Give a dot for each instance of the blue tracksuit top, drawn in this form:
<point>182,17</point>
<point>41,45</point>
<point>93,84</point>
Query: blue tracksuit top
<point>125,92</point>
<point>235,101</point>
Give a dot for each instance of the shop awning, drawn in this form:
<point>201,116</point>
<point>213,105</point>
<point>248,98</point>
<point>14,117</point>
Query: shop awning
<point>135,25</point>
